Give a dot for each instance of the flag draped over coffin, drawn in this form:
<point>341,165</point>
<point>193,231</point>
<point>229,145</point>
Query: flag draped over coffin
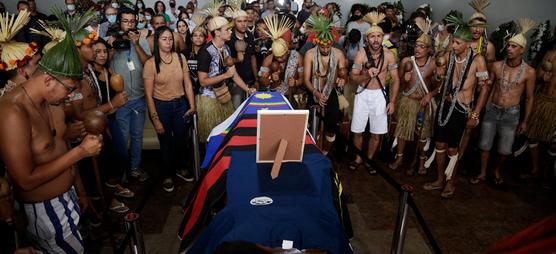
<point>238,176</point>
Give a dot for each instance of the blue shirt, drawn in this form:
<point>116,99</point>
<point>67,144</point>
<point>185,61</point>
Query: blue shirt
<point>133,80</point>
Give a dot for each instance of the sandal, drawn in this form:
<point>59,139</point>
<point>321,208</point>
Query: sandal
<point>118,207</point>
<point>430,186</point>
<point>123,192</point>
<point>447,193</point>
<point>394,165</point>
<point>353,165</point>
<point>371,170</point>
<point>476,180</point>
<point>422,171</point>
<point>498,181</point>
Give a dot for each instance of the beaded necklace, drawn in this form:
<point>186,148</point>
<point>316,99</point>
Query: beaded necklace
<point>453,91</point>
<point>505,85</point>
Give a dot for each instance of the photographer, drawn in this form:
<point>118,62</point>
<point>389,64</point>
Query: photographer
<point>130,51</point>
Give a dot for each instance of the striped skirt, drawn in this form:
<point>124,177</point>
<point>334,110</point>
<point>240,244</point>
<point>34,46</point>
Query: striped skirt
<point>53,224</point>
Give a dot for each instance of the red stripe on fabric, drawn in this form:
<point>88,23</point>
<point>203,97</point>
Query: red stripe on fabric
<point>217,169</point>
<point>212,176</point>
<point>247,123</point>
<point>236,141</point>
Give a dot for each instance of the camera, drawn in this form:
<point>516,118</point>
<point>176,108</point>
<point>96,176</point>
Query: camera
<point>121,43</point>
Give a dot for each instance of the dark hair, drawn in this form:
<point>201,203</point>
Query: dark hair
<point>356,7</point>
<point>108,47</point>
<point>182,13</point>
<point>125,10</point>
<point>188,42</point>
<point>386,25</point>
<point>156,6</point>
<point>22,2</point>
<point>337,10</point>
<point>417,14</point>
<point>354,36</point>
<point>136,7</point>
<point>149,11</point>
<point>248,7</point>
<point>156,52</point>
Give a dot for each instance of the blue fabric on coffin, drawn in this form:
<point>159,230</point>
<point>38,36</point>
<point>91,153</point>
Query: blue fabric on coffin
<point>273,101</point>
<point>304,214</point>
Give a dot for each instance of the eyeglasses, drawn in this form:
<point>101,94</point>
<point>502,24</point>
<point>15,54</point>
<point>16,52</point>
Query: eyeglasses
<point>69,89</point>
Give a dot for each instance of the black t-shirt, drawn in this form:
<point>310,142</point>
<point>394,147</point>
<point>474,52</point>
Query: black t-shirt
<point>244,68</point>
<point>204,59</point>
<point>192,63</point>
<point>263,48</point>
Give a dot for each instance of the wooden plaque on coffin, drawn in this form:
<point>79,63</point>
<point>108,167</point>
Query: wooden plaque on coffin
<point>281,137</point>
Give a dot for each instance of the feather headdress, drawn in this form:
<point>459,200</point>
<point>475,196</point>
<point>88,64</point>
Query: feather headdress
<point>479,18</point>
<point>14,54</point>
<point>461,28</point>
<point>213,8</point>
<point>525,25</point>
<point>63,58</point>
<point>321,29</point>
<point>277,26</point>
<point>425,26</point>
<point>374,18</point>
<point>55,34</point>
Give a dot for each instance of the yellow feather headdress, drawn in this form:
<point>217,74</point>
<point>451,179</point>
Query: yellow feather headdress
<point>278,26</point>
<point>212,8</point>
<point>479,18</point>
<point>525,25</point>
<point>425,26</point>
<point>53,33</point>
<point>14,54</point>
<point>374,18</point>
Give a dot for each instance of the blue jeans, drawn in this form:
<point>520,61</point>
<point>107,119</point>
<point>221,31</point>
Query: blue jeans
<point>503,121</point>
<point>173,142</point>
<point>131,118</point>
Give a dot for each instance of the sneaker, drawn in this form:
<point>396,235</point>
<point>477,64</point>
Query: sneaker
<point>139,174</point>
<point>168,185</point>
<point>185,175</point>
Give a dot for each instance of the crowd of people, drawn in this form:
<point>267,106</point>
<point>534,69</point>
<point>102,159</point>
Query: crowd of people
<point>440,84</point>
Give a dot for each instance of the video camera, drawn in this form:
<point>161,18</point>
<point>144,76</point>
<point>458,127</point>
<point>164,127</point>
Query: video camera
<point>121,41</point>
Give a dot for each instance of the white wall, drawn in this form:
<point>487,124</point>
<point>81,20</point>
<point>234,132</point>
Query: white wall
<point>498,12</point>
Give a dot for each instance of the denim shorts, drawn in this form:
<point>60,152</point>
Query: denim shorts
<point>503,121</point>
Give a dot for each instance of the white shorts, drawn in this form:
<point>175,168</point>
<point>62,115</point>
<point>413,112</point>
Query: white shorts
<point>370,106</point>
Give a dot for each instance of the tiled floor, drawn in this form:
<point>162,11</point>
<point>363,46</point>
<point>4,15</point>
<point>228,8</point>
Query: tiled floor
<point>473,220</point>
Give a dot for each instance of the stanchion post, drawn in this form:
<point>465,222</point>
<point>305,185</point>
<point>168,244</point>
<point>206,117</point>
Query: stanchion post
<point>196,153</point>
<point>314,122</point>
<point>136,244</point>
<point>401,221</point>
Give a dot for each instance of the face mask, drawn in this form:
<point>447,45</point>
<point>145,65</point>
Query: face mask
<point>139,5</point>
<point>70,7</point>
<point>141,25</point>
<point>148,18</point>
<point>440,28</point>
<point>111,19</point>
<point>115,5</point>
